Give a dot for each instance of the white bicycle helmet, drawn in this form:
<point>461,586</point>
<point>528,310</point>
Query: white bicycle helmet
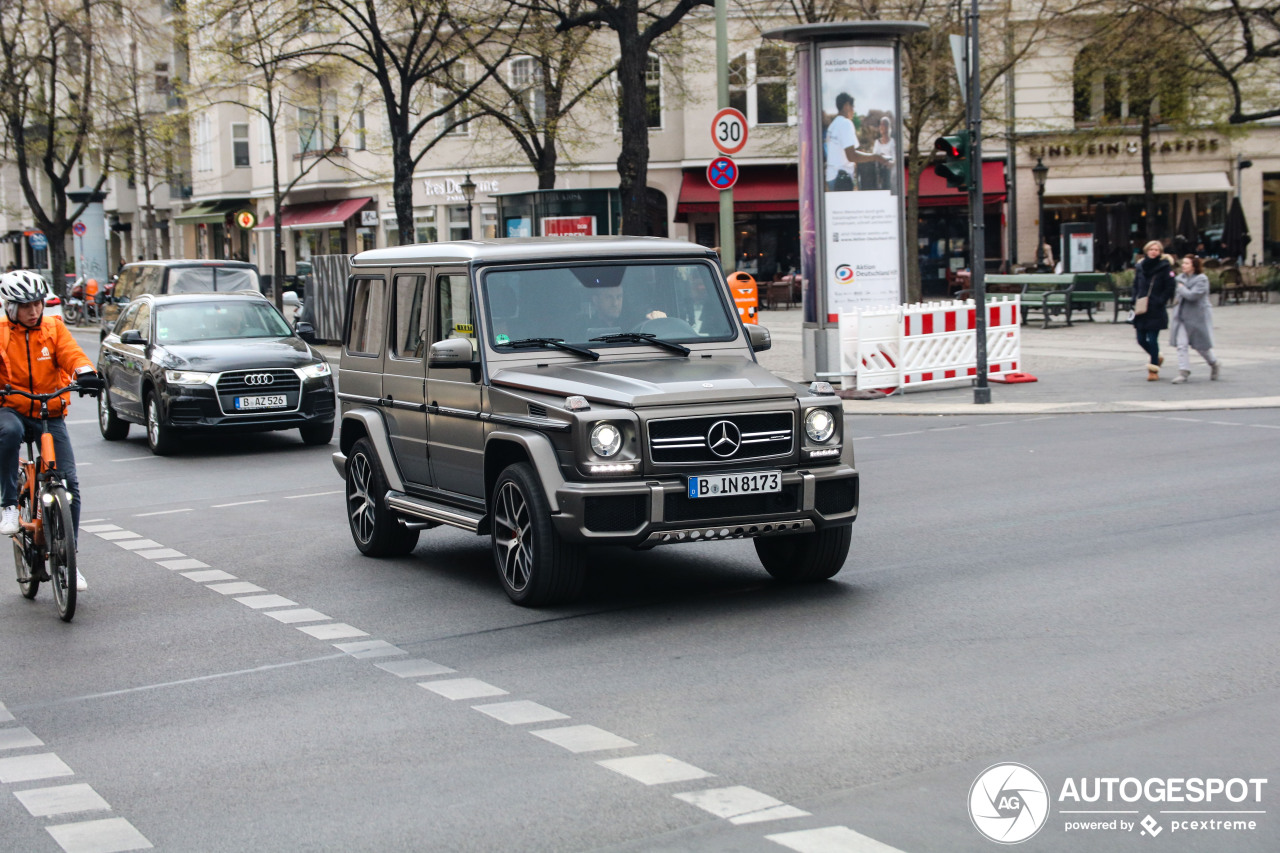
<point>21,287</point>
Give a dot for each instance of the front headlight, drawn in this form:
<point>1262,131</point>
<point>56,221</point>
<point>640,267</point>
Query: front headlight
<point>819,425</point>
<point>186,377</point>
<point>315,371</point>
<point>606,440</point>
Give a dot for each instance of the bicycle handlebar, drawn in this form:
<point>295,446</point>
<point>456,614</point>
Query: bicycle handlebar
<point>39,398</point>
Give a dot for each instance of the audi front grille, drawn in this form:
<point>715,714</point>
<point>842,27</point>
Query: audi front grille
<point>258,383</point>
<point>689,441</point>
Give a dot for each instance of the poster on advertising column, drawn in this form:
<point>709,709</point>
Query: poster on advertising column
<point>861,177</point>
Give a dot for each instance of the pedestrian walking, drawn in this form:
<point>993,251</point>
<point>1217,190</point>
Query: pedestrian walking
<point>1153,287</point>
<point>1191,321</point>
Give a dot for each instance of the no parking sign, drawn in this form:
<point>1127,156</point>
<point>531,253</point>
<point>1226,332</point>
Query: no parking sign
<point>722,173</point>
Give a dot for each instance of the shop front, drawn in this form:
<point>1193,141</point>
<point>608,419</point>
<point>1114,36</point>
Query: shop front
<point>766,218</point>
<point>329,227</point>
<point>209,230</point>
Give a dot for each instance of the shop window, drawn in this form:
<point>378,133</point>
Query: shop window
<point>240,145</point>
<point>1271,217</point>
<point>459,223</point>
<point>488,221</point>
<point>424,226</point>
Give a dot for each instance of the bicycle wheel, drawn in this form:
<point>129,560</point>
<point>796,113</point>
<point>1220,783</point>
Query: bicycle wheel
<point>60,539</point>
<point>26,559</point>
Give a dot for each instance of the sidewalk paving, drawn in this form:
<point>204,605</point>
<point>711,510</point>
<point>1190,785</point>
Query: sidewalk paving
<point>1088,367</point>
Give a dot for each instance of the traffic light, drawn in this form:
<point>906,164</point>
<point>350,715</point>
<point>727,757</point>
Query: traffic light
<point>951,159</point>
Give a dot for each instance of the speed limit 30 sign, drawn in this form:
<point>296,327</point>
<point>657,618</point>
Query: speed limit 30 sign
<point>729,131</point>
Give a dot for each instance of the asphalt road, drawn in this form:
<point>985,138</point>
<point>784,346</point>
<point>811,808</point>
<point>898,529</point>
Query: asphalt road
<point>1087,595</point>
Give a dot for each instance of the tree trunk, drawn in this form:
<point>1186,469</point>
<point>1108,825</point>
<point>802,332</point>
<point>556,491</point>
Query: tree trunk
<point>1148,178</point>
<point>402,177</point>
<point>633,161</point>
<point>546,166</point>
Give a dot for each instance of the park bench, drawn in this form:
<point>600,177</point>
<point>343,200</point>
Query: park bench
<point>1044,292</point>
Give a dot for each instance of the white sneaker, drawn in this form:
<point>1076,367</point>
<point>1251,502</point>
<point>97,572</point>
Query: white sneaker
<point>81,583</point>
<point>9,521</point>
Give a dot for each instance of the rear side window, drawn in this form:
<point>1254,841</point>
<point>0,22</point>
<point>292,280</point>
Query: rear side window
<point>149,280</point>
<point>410,291</point>
<point>229,279</point>
<point>191,279</point>
<point>364,329</point>
<point>125,286</point>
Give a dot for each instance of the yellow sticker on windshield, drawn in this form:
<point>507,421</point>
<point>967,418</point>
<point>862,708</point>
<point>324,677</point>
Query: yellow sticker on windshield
<point>464,328</point>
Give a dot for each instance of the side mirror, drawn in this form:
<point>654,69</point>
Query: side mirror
<point>759,337</point>
<point>453,352</point>
<point>306,331</point>
<point>289,298</point>
<point>132,336</point>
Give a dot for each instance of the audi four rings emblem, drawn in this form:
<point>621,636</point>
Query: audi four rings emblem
<point>259,379</point>
<point>724,438</point>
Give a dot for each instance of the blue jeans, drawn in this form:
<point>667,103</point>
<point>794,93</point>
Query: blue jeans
<point>1149,341</point>
<point>12,427</point>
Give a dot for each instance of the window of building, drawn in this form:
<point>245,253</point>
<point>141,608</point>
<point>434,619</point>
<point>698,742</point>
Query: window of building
<point>773,68</point>
<point>308,130</point>
<point>1105,92</point>
<point>264,138</point>
<point>526,81</point>
<point>455,120</point>
<point>332,122</point>
<point>362,132</point>
<point>424,228</point>
<point>738,82</point>
<point>204,143</point>
<point>653,92</point>
<point>240,145</point>
<point>459,222</point>
<point>163,86</point>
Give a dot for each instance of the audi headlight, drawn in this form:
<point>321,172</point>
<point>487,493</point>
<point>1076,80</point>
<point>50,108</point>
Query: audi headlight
<point>315,371</point>
<point>819,425</point>
<point>606,440</point>
<point>186,377</point>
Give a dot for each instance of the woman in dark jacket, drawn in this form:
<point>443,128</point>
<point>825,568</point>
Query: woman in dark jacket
<point>1154,280</point>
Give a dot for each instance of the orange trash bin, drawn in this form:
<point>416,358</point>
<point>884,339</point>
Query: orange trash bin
<point>745,296</point>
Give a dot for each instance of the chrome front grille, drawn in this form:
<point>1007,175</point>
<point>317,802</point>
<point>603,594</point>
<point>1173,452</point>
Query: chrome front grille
<point>283,381</point>
<point>721,439</point>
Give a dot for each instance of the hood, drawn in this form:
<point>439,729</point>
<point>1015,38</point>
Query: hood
<point>651,382</point>
<point>218,356</point>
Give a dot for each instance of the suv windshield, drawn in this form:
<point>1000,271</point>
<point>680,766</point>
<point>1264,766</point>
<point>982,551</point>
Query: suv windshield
<point>575,304</point>
<point>206,321</point>
<point>203,279</point>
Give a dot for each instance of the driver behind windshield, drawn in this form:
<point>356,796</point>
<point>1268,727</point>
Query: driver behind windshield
<point>605,311</point>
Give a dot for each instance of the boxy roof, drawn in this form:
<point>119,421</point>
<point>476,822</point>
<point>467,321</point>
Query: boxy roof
<point>518,249</point>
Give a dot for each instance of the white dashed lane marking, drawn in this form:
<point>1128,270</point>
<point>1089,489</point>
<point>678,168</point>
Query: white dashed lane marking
<point>655,769</point>
<point>463,688</point>
<point>113,535</point>
<point>739,804</point>
<point>830,839</point>
<point>87,527</point>
<point>163,512</point>
<point>313,495</point>
<point>64,799</point>
<point>420,668</point>
<point>521,712</point>
<point>180,565</point>
<point>26,768</point>
<point>333,631</point>
<point>367,648</point>
<point>5,716</point>
<point>138,544</point>
<point>18,738</point>
<point>583,738</point>
<point>258,602</point>
<point>208,575</point>
<point>160,554</point>
<point>237,588</point>
<point>304,614</point>
<point>110,835</point>
<point>239,503</point>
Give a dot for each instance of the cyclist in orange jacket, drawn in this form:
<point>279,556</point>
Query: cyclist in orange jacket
<point>38,355</point>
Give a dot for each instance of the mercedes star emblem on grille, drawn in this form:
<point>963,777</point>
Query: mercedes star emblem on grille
<point>724,438</point>
<point>259,379</point>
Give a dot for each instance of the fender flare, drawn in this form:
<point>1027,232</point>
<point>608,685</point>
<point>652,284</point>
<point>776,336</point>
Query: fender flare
<point>537,447</point>
<point>376,429</point>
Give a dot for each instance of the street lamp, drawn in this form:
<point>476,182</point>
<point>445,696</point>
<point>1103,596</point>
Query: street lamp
<point>1041,173</point>
<point>468,188</point>
<point>1241,165</point>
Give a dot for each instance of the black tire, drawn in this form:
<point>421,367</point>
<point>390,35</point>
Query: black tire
<point>160,436</point>
<point>805,557</point>
<point>26,559</point>
<point>59,532</point>
<point>535,565</point>
<point>377,530</point>
<point>112,427</point>
<point>315,434</point>
<point>71,314</point>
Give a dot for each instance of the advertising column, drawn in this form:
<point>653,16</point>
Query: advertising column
<point>848,92</point>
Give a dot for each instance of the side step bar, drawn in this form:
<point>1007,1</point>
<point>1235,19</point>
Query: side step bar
<point>431,511</point>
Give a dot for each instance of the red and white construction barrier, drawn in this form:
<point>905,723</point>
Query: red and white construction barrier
<point>913,346</point>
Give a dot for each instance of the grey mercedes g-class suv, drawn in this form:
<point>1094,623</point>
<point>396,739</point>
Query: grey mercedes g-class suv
<point>557,392</point>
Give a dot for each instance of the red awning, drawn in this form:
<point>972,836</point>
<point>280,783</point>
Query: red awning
<point>934,191</point>
<point>760,189</point>
<point>318,214</point>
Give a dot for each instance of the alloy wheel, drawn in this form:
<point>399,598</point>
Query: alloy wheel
<point>360,507</point>
<point>513,537</point>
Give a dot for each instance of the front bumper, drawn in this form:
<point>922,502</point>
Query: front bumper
<point>657,511</point>
<point>197,408</point>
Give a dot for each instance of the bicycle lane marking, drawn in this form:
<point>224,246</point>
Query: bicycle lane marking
<point>737,804</point>
<point>115,834</point>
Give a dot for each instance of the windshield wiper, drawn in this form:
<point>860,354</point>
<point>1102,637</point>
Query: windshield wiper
<point>557,343</point>
<point>643,337</point>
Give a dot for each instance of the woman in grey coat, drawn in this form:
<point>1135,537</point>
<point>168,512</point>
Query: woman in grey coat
<point>1191,320</point>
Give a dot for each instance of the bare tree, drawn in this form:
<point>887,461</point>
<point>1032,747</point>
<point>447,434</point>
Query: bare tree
<point>268,60</point>
<point>415,53</point>
<point>550,73</point>
<point>639,26</point>
<point>49,66</point>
